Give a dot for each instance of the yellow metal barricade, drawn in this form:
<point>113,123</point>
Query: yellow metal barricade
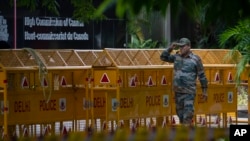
<point>4,104</point>
<point>47,87</point>
<point>222,91</point>
<point>131,85</point>
<point>63,90</point>
<point>141,85</point>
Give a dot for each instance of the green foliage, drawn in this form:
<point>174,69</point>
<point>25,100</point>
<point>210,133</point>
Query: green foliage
<point>204,13</point>
<point>144,134</point>
<point>239,38</point>
<point>135,26</point>
<point>242,96</point>
<point>84,10</point>
<point>133,7</point>
<point>51,5</point>
<point>136,43</point>
<point>121,135</point>
<point>31,4</point>
<point>76,136</point>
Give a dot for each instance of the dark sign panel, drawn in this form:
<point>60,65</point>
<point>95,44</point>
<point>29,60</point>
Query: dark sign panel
<point>56,32</point>
<point>39,31</point>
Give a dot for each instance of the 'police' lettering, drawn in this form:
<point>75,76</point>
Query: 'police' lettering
<point>153,100</point>
<point>48,106</point>
<point>219,97</point>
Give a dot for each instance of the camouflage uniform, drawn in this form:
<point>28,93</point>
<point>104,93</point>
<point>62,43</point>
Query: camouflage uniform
<point>186,70</point>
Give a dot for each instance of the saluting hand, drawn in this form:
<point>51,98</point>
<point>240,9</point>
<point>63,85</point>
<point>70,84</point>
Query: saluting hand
<point>173,45</point>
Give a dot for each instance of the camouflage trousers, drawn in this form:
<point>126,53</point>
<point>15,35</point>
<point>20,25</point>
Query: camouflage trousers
<point>185,107</point>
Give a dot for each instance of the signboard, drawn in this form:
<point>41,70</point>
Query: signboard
<point>132,103</point>
<point>34,108</point>
<point>55,29</point>
<point>155,102</point>
<point>220,100</point>
<point>4,33</point>
<point>40,30</point>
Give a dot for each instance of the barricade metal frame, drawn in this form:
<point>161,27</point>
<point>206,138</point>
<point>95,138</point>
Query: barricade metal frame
<point>214,60</point>
<point>127,66</point>
<point>38,64</point>
<point>113,87</point>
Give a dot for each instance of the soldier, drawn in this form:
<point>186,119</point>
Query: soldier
<point>187,67</point>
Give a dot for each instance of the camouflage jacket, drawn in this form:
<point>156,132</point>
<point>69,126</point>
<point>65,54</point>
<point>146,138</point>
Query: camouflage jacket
<point>186,71</point>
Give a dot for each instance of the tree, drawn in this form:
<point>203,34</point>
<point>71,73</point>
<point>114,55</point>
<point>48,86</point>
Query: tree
<point>238,37</point>
<point>211,17</point>
<point>83,9</point>
<point>134,7</point>
<point>51,5</point>
<point>137,26</point>
<point>218,22</point>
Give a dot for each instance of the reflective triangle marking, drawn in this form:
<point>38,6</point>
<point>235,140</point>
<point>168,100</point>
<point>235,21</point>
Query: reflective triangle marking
<point>132,82</point>
<point>25,83</point>
<point>173,120</point>
<point>64,131</point>
<point>150,81</point>
<point>63,82</point>
<point>163,80</point>
<point>119,80</point>
<point>44,82</point>
<point>87,79</point>
<point>217,77</point>
<point>105,78</point>
<point>46,132</point>
<point>25,132</point>
<point>230,77</point>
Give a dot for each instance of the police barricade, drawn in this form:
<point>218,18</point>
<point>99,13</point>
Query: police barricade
<point>222,97</point>
<point>131,87</point>
<point>47,89</point>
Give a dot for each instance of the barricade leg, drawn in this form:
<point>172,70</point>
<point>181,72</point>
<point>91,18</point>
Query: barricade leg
<point>209,120</point>
<point>224,115</point>
<point>159,121</point>
<point>103,125</point>
<point>11,131</point>
<point>52,128</point>
<point>126,124</point>
<point>112,126</point>
<point>135,124</point>
<point>168,120</point>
